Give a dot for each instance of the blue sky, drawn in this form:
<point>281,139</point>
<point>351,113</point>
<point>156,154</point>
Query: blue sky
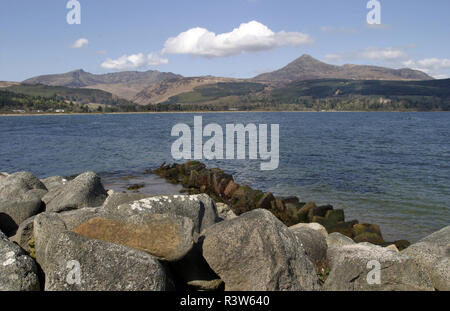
<point>35,38</point>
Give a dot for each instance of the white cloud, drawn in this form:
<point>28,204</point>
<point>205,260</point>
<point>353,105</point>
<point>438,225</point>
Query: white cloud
<point>156,60</point>
<point>134,61</point>
<point>383,54</point>
<point>396,57</point>
<point>80,43</point>
<point>431,66</point>
<point>247,38</point>
<point>374,54</point>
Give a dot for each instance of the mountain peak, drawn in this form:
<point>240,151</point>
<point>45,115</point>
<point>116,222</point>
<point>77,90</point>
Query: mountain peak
<point>307,67</point>
<point>306,57</point>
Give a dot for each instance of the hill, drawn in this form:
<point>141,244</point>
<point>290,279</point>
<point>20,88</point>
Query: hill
<point>339,87</point>
<point>122,84</point>
<point>75,95</point>
<point>317,95</point>
<point>309,68</point>
<point>161,92</point>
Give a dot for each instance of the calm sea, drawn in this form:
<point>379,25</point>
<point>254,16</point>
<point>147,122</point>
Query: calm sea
<point>392,169</point>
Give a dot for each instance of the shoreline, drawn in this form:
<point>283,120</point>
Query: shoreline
<point>203,112</point>
<point>222,228</point>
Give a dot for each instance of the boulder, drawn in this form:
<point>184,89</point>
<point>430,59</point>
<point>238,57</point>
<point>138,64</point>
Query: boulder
<point>45,226</point>
<point>257,252</point>
<point>245,199</point>
<point>14,187</point>
<point>76,263</point>
<point>201,209</point>
<point>224,211</point>
<point>402,244</point>
<point>24,234</point>
<point>336,239</point>
<point>345,228</point>
<point>363,228</point>
<point>20,198</point>
<point>3,175</point>
<point>352,269</point>
<point>393,248</point>
<point>166,237</point>
<point>12,214</point>
<point>314,226</point>
<point>295,212</point>
<point>318,211</point>
<point>433,254</point>
<point>201,285</point>
<point>74,218</point>
<point>193,165</point>
<point>230,189</point>
<point>335,216</point>
<point>18,272</point>
<point>86,190</point>
<point>55,182</point>
<point>368,233</point>
<point>266,201</point>
<point>220,181</point>
<point>116,199</point>
<point>315,245</point>
<point>369,237</point>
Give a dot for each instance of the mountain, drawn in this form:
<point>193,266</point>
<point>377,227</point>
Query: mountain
<point>154,87</point>
<point>122,84</point>
<point>162,91</point>
<point>309,68</point>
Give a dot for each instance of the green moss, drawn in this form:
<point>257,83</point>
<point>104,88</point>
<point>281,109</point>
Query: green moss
<point>32,245</point>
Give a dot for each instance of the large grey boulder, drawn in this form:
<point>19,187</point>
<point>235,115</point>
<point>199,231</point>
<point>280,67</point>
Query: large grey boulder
<point>116,199</point>
<point>201,209</point>
<point>314,244</point>
<point>52,183</point>
<point>433,254</point>
<point>337,239</point>
<point>45,226</point>
<point>18,272</point>
<point>86,190</point>
<point>257,252</point>
<point>12,214</point>
<point>314,226</point>
<point>166,237</point>
<point>76,263</point>
<point>20,198</point>
<point>74,218</point>
<point>15,186</point>
<point>353,268</point>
